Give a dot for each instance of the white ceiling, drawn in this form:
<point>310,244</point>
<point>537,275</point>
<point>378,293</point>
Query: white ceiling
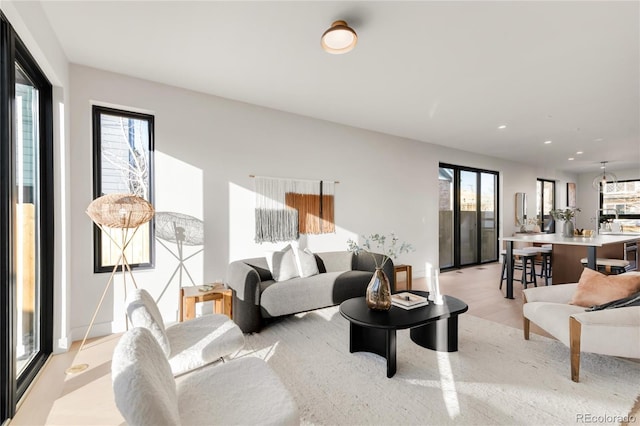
<point>447,73</point>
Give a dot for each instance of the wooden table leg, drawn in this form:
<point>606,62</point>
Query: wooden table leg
<point>189,308</point>
<point>181,305</point>
<point>227,303</point>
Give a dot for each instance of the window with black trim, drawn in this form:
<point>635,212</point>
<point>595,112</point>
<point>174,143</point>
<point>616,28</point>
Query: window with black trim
<point>545,202</point>
<point>621,201</point>
<point>123,163</point>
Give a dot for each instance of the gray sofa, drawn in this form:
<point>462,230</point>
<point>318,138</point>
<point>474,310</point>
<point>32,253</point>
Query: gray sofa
<point>256,296</point>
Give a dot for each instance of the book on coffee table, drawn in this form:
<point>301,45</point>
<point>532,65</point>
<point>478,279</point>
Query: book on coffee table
<point>406,300</point>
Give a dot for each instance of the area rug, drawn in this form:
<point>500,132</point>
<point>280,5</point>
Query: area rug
<point>496,377</point>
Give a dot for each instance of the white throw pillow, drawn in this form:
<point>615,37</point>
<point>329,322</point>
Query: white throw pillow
<point>306,263</point>
<point>282,264</point>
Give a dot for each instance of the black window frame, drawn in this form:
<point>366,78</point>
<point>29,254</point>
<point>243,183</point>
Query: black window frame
<point>547,220</point>
<point>456,215</point>
<point>13,51</point>
<point>96,112</point>
<point>609,216</point>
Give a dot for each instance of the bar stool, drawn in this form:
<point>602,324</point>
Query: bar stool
<point>526,265</point>
<point>545,263</point>
<point>609,266</point>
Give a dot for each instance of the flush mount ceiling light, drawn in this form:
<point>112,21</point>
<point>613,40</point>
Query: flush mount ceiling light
<point>338,39</point>
<point>604,178</point>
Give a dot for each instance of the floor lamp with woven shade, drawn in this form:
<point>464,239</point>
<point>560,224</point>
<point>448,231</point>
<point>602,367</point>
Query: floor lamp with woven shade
<point>126,212</point>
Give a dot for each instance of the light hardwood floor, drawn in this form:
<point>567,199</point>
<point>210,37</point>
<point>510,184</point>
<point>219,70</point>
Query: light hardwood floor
<point>86,398</point>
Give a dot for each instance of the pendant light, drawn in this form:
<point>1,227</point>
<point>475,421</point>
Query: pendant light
<point>338,39</point>
<point>604,178</point>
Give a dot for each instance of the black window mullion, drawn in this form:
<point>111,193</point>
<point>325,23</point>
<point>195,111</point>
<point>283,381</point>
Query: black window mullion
<point>7,286</point>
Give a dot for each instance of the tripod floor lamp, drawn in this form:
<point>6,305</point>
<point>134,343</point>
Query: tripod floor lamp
<point>126,212</point>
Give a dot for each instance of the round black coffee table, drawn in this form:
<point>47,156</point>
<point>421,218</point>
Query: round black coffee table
<point>432,326</point>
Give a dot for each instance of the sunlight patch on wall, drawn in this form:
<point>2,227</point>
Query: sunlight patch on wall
<point>179,193</point>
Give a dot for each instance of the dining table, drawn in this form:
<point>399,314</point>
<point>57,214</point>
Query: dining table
<point>591,243</point>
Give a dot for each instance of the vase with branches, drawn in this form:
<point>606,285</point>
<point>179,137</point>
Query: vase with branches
<point>378,295</point>
<point>567,216</point>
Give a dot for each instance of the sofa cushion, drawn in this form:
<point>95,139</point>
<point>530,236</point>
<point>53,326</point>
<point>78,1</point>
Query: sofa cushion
<point>306,263</point>
<point>337,261</point>
<point>595,288</point>
<point>282,264</point>
<point>305,294</point>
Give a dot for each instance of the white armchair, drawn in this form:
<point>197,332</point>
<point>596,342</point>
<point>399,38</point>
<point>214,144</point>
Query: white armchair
<point>610,332</point>
<point>188,345</point>
<point>243,391</point>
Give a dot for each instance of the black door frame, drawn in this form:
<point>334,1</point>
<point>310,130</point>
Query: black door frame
<point>456,214</point>
<point>12,51</point>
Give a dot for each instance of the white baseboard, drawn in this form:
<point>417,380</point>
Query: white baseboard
<point>98,330</point>
<point>63,345</point>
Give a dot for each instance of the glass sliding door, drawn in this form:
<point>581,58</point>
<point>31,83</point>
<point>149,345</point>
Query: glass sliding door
<point>446,221</point>
<point>468,216</point>
<point>26,218</point>
<point>488,217</point>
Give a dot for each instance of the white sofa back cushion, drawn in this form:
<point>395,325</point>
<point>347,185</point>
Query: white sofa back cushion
<point>143,385</point>
<point>143,312</point>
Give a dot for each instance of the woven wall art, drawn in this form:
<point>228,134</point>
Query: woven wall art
<point>286,208</point>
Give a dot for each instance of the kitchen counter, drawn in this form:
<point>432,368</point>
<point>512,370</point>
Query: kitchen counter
<point>595,241</point>
<point>566,260</point>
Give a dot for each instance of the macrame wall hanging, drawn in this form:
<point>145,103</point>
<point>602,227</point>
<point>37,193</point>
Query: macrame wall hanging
<point>286,208</point>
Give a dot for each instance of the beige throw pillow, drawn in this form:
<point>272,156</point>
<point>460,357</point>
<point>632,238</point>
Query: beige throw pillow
<point>595,288</point>
<point>282,264</point>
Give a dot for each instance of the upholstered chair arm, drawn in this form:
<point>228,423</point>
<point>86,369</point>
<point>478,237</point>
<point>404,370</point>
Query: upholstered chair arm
<point>559,293</point>
<point>610,331</point>
<point>245,283</point>
<point>623,317</point>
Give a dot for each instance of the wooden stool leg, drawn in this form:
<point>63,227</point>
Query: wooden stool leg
<point>504,270</point>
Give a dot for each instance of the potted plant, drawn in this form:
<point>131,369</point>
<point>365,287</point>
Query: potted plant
<point>566,215</point>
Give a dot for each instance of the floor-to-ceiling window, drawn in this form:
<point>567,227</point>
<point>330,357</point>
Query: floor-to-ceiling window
<point>26,217</point>
<point>467,216</point>
<point>545,202</point>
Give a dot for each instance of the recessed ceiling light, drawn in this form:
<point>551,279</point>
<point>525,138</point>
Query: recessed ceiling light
<point>502,126</point>
<point>547,142</point>
<point>579,153</point>
<point>571,158</point>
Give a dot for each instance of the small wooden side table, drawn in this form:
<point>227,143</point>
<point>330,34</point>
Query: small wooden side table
<point>189,296</point>
<point>407,270</point>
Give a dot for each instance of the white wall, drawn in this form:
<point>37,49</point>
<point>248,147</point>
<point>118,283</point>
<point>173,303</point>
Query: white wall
<point>206,149</point>
<point>32,26</point>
